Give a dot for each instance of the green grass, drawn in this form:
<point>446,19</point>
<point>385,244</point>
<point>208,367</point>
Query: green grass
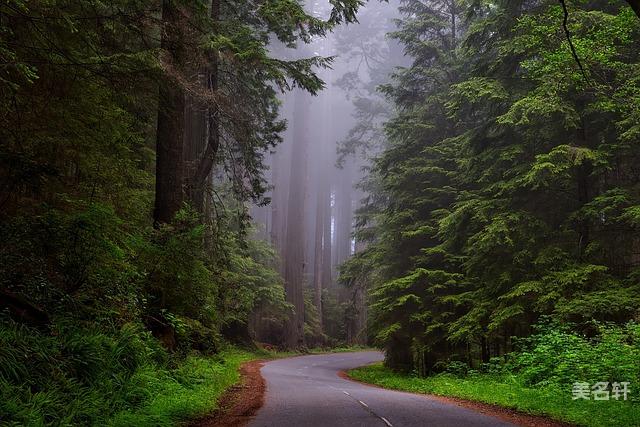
<point>151,395</point>
<point>190,391</point>
<point>507,391</point>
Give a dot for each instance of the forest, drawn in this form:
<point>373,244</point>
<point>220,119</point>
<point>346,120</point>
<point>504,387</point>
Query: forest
<point>186,185</point>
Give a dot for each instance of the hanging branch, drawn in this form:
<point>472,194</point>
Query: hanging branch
<point>568,34</point>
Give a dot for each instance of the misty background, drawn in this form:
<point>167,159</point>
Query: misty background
<point>315,173</point>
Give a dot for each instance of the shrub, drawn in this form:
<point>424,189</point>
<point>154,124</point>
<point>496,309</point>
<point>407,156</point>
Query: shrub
<point>558,356</point>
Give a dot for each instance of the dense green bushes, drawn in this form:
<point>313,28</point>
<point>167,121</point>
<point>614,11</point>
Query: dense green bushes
<point>109,376</point>
<point>556,356</point>
<point>73,375</point>
<point>82,293</point>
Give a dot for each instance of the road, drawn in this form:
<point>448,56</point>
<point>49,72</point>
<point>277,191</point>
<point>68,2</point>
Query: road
<point>306,391</point>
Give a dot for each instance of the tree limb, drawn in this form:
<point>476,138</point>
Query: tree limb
<point>565,20</point>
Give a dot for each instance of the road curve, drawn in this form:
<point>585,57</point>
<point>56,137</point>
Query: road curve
<point>306,391</point>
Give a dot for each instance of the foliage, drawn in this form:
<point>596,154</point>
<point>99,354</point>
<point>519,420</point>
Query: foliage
<point>506,188</point>
<point>102,311</point>
<point>538,378</point>
<point>87,376</point>
<point>558,357</point>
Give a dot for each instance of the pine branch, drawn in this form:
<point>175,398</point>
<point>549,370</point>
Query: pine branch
<point>568,35</point>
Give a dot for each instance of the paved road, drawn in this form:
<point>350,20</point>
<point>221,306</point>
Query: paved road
<point>306,391</point>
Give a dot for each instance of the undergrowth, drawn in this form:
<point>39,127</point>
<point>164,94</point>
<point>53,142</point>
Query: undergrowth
<point>76,376</point>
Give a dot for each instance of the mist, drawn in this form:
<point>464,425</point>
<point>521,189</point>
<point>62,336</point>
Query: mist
<point>314,174</point>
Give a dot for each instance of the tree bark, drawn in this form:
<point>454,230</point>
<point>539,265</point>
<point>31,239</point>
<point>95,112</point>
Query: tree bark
<point>293,256</point>
<point>321,239</point>
<point>204,165</point>
<point>170,129</point>
<point>327,245</point>
<point>344,214</point>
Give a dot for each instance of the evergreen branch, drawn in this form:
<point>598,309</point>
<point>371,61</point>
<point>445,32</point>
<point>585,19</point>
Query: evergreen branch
<point>568,35</point>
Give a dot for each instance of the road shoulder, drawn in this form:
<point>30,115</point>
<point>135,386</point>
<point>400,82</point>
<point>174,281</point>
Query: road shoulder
<point>505,414</point>
<point>239,403</point>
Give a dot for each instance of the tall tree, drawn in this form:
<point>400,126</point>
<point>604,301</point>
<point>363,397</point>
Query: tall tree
<point>294,247</point>
<point>171,116</point>
<point>501,179</point>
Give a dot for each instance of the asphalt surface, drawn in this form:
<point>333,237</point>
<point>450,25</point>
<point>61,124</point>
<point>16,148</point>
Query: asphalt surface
<point>307,391</point>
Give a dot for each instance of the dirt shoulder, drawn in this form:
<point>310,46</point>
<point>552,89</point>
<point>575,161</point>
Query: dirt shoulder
<point>505,414</point>
<point>241,402</point>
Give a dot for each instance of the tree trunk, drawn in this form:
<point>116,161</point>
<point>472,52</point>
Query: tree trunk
<point>584,192</point>
<point>344,214</point>
<point>321,240</point>
<point>205,164</point>
<point>293,256</point>
<point>170,130</point>
<point>484,349</point>
<point>326,247</point>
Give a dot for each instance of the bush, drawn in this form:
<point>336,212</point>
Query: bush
<point>557,356</point>
<point>457,368</point>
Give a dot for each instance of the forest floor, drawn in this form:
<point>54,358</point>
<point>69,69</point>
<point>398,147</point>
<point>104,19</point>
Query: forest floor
<point>191,391</point>
<point>505,397</point>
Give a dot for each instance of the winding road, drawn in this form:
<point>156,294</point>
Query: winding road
<point>307,391</point>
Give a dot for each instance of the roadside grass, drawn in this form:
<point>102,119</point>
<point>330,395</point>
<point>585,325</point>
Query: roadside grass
<point>507,391</point>
<point>190,391</point>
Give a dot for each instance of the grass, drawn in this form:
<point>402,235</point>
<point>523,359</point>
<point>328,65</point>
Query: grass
<point>151,395</point>
<point>508,391</point>
<point>190,391</point>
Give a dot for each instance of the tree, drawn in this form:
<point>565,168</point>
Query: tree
<point>294,253</point>
<point>240,98</point>
<point>503,183</point>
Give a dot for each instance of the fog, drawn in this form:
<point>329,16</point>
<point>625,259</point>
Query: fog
<point>330,139</point>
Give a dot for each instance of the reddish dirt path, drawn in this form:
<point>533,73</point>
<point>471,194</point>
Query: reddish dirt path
<point>510,415</point>
<point>240,403</point>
